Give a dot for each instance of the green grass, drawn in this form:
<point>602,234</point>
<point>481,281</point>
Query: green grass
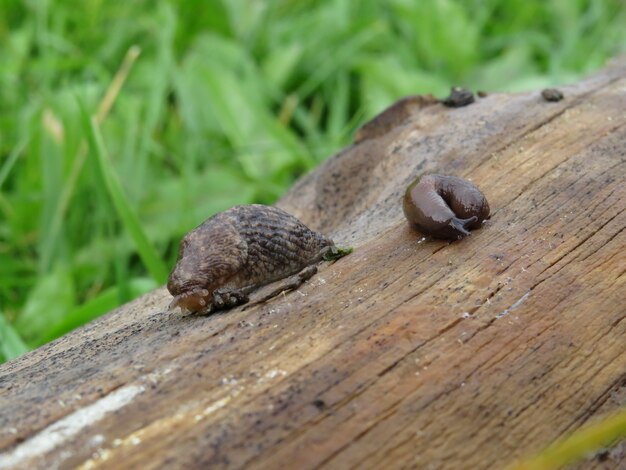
<point>582,443</point>
<point>125,124</point>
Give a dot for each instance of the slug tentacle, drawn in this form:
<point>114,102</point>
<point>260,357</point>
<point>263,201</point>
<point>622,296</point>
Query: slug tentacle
<point>463,225</point>
<point>444,206</point>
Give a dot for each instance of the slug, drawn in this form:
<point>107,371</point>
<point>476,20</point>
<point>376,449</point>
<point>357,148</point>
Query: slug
<point>552,94</point>
<point>444,206</point>
<point>458,97</point>
<point>238,250</point>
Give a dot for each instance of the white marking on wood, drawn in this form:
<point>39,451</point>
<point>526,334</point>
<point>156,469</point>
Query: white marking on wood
<point>61,431</point>
<point>519,302</point>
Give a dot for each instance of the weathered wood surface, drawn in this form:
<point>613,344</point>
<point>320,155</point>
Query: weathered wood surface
<point>407,353</point>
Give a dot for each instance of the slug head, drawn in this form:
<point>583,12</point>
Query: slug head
<point>195,300</point>
<point>457,228</point>
<point>192,289</point>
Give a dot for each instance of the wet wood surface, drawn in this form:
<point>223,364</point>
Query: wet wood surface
<point>408,353</point>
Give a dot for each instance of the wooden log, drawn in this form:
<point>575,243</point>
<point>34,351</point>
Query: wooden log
<point>410,352</point>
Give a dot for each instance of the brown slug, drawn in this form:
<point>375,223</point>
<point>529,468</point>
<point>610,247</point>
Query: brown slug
<point>444,206</point>
<point>237,250</point>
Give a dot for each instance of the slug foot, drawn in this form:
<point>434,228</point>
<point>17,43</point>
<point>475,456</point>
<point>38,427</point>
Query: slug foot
<point>228,298</point>
<point>289,284</point>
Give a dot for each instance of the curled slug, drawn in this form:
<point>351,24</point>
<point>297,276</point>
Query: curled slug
<point>238,250</point>
<point>444,206</point>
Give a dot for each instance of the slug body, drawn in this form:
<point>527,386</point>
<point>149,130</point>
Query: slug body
<point>237,250</point>
<point>444,206</point>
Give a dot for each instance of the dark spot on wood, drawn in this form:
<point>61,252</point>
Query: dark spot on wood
<point>319,404</point>
<point>552,94</point>
<point>458,97</point>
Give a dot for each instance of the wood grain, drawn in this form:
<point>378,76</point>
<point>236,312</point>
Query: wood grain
<point>409,353</point>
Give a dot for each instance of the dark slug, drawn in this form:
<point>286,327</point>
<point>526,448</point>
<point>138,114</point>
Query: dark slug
<point>444,206</point>
<point>237,250</point>
<point>458,97</point>
<point>552,94</point>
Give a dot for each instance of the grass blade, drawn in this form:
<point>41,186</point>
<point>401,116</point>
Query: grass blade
<point>8,165</point>
<point>72,181</point>
<point>48,301</point>
<point>11,344</point>
<point>578,445</point>
<point>147,252</point>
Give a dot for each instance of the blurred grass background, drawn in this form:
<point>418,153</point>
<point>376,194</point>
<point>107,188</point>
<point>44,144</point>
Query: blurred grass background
<point>125,124</point>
